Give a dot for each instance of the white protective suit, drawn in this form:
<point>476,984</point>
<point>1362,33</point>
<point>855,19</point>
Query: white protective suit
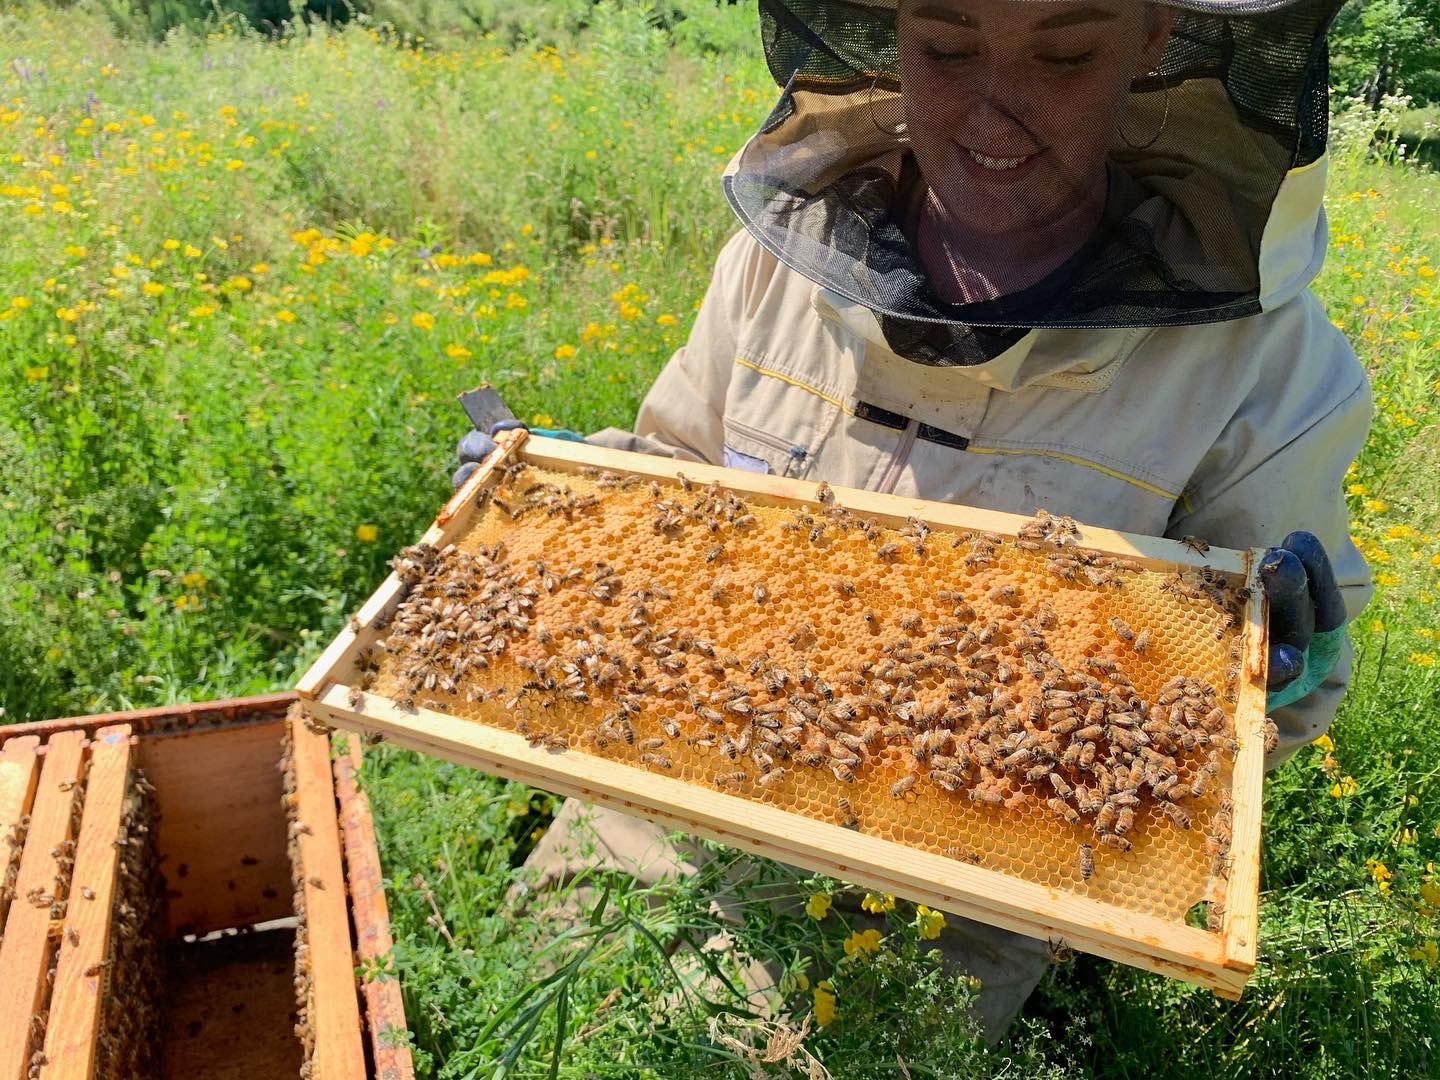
<point>1238,432</point>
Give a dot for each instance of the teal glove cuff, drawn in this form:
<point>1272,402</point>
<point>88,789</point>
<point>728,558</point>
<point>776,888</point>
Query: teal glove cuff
<point>557,433</point>
<point>1320,658</point>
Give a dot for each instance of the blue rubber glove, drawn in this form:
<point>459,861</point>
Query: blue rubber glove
<point>1307,617</point>
<point>475,446</point>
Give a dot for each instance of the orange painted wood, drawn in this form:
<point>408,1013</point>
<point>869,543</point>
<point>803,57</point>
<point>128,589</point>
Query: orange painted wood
<point>335,1002</point>
<point>75,1006</point>
<point>28,945</point>
<point>384,1006</point>
<point>19,773</point>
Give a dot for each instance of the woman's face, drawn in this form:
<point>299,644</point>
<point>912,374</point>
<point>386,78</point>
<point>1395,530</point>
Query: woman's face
<point>1011,105</point>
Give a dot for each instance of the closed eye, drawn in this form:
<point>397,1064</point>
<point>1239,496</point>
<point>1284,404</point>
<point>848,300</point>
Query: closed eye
<point>943,57</point>
<point>1077,60</point>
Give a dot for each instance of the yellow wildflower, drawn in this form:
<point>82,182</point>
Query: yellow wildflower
<point>191,252</point>
<point>170,245</point>
<point>285,315</point>
<point>456,351</point>
<point>20,303</point>
<point>928,922</point>
<point>423,319</point>
<point>564,352</point>
<point>878,903</point>
<point>1422,659</point>
<point>35,374</point>
<point>1427,951</point>
<point>824,995</point>
<point>201,311</point>
<point>1324,742</point>
<point>193,579</point>
<point>818,906</point>
<point>1344,786</point>
<point>861,942</point>
<point>367,534</point>
<point>666,320</point>
<point>152,288</point>
<point>67,314</point>
<point>1430,893</point>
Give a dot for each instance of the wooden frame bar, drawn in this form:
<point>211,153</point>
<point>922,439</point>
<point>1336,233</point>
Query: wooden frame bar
<point>19,774</point>
<point>1221,961</point>
<point>73,1028</point>
<point>26,949</point>
<point>335,1008</point>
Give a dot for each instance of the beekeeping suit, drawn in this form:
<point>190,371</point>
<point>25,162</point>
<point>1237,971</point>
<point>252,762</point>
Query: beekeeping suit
<point>1159,367</point>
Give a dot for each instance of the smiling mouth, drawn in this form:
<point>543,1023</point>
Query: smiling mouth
<point>997,164</point>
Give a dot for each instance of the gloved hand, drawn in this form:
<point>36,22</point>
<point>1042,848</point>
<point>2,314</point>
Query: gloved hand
<point>1307,617</point>
<point>475,446</point>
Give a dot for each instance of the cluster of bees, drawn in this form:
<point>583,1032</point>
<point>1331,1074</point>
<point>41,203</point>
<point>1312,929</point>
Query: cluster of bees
<point>129,1041</point>
<point>967,698</point>
<point>130,972</point>
<point>294,829</point>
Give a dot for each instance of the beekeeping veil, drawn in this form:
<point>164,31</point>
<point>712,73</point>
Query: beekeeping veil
<point>1211,191</point>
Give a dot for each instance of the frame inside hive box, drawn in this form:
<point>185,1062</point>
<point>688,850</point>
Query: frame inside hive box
<point>188,891</point>
<point>639,616</point>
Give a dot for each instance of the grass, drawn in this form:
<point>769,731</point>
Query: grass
<point>242,282</point>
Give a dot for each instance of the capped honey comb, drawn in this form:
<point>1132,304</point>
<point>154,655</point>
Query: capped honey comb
<point>1021,701</point>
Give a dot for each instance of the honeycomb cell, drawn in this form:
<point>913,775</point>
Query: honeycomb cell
<point>983,675</point>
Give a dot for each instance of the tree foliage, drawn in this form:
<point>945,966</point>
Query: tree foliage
<point>1380,47</point>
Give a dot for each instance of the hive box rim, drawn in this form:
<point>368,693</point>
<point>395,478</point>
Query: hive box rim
<point>384,1012</point>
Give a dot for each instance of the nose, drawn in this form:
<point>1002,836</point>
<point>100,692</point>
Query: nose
<point>994,107</point>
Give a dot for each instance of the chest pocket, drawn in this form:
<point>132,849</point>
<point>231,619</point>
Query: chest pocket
<point>774,423</point>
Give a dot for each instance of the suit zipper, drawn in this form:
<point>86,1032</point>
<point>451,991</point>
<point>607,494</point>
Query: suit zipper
<point>900,458</point>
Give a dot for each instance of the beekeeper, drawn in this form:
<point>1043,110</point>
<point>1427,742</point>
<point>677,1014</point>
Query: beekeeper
<point>1035,254</point>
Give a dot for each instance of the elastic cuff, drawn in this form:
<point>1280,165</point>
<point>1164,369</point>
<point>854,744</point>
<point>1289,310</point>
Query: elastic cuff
<point>1320,659</point>
<point>557,433</point>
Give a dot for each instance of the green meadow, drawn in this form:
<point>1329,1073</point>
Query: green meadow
<point>242,279</point>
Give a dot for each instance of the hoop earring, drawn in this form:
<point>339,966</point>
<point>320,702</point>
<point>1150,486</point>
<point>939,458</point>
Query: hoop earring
<point>898,132</point>
<point>1164,118</point>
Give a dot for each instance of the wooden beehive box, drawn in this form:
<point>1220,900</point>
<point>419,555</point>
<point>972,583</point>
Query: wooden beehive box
<point>607,626</point>
<point>157,864</point>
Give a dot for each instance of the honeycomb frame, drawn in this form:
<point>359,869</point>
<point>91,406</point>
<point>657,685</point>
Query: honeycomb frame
<point>337,692</point>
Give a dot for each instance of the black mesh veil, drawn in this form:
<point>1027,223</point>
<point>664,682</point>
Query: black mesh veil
<point>834,183</point>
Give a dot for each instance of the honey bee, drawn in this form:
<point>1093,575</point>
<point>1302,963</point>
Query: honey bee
<point>847,813</point>
<point>887,551</point>
<point>659,760</point>
<point>843,587</point>
<point>760,593</point>
<point>1176,814</point>
<point>685,482</point>
<point>1119,843</point>
<point>1061,809</point>
<point>823,494</point>
<point>1058,951</point>
<point>1142,641</point>
<point>714,553</point>
<point>771,777</point>
<point>1195,544</point>
<point>1121,630</point>
<point>842,772</point>
<point>1002,594</point>
<point>1087,862</point>
<point>732,779</point>
<point>901,786</point>
<point>356,698</point>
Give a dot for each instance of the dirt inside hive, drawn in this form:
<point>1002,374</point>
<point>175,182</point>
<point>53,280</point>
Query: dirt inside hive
<point>1025,703</point>
<point>230,1007</point>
